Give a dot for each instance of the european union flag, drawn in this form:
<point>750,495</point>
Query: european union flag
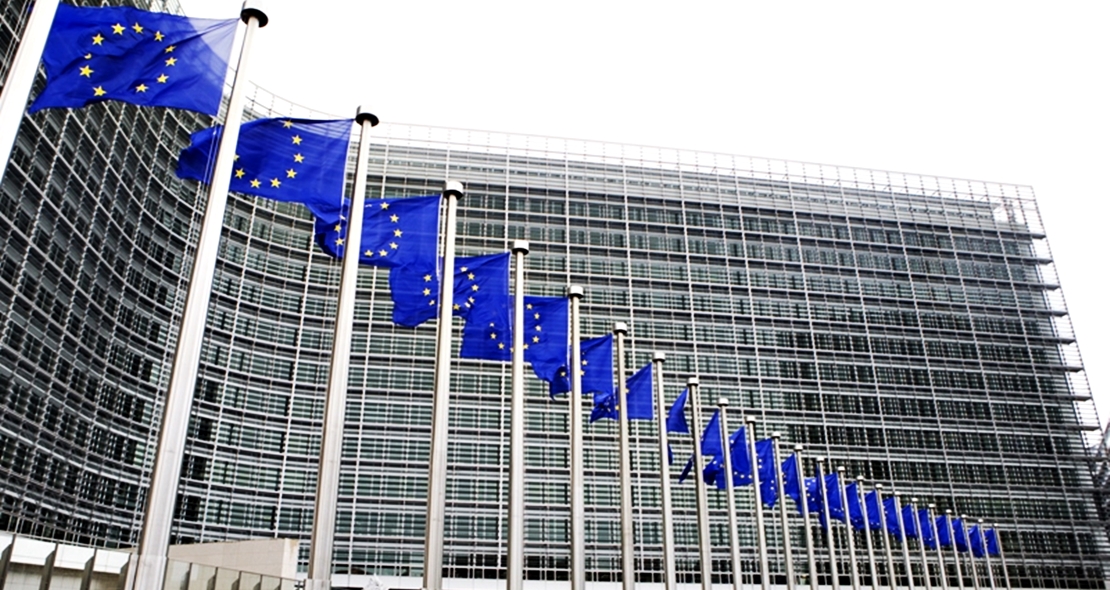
<point>871,502</point>
<point>711,449</point>
<point>676,416</point>
<point>927,529</point>
<point>291,160</point>
<point>741,459</point>
<point>481,282</point>
<point>792,487</point>
<point>909,521</point>
<point>855,509</point>
<point>396,232</point>
<point>832,493</point>
<point>547,337</point>
<point>975,542</point>
<point>597,368</point>
<point>639,397</point>
<point>959,535</point>
<point>890,511</point>
<point>993,548</point>
<point>944,534</point>
<point>139,57</point>
<point>765,463</point>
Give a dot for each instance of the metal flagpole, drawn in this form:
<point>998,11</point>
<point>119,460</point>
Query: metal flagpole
<point>986,554</point>
<point>854,568</point>
<point>577,460</point>
<point>805,517</point>
<point>891,576</point>
<point>441,403</point>
<point>760,526</point>
<point>873,570</point>
<point>970,555</point>
<point>789,558</point>
<point>335,402</point>
<point>830,542</point>
<point>705,549</point>
<point>669,576</point>
<point>921,545</point>
<point>21,76</point>
<point>940,550</point>
<point>733,533</point>
<point>628,556</point>
<point>1002,558</point>
<point>955,552</point>
<point>514,579</point>
<point>150,562</point>
<point>905,539</point>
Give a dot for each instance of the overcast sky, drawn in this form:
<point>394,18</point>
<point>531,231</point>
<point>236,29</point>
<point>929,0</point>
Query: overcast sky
<point>1013,92</point>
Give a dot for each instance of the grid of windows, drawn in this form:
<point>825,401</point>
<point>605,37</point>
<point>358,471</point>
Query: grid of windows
<point>911,328</point>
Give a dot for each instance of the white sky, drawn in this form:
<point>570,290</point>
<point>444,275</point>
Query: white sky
<point>1013,92</point>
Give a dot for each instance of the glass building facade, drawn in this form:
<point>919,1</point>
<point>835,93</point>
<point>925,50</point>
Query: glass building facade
<point>911,328</point>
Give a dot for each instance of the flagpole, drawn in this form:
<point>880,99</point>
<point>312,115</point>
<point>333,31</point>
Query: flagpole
<point>21,76</point>
<point>669,575</point>
<point>970,555</point>
<point>628,556</point>
<point>955,552</point>
<point>854,568</point>
<point>441,402</point>
<point>905,539</point>
<point>760,525</point>
<point>150,561</point>
<point>986,554</point>
<point>791,583</point>
<point>1001,556</point>
<point>733,532</point>
<point>930,510</point>
<point>577,460</point>
<point>892,578</point>
<point>805,517</point>
<point>867,532</point>
<point>335,404</point>
<point>830,542</point>
<point>921,545</point>
<point>514,578</point>
<point>705,550</point>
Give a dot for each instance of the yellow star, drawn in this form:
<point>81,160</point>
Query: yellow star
<point>236,157</point>
<point>385,205</point>
<point>493,335</point>
<point>338,241</point>
<point>529,306</point>
<point>539,328</point>
<point>137,28</point>
<point>535,338</point>
<point>171,48</point>
<point>99,91</point>
<point>382,252</point>
<point>397,233</point>
<point>275,183</point>
<point>296,140</point>
<point>97,40</point>
<point>427,278</point>
<point>427,292</point>
<point>456,307</point>
<point>462,269</point>
<point>525,346</point>
<point>255,183</point>
<point>474,287</point>
<point>585,362</point>
<point>141,88</point>
<point>240,173</point>
<point>393,218</point>
<point>470,276</point>
<point>338,227</point>
<point>501,345</point>
<point>88,56</point>
<point>368,253</point>
<point>287,124</point>
<point>393,245</point>
<point>86,71</point>
<point>298,158</point>
<point>537,316</point>
<point>171,61</point>
<point>432,303</point>
<point>158,36</point>
<point>117,29</point>
<point>162,79</point>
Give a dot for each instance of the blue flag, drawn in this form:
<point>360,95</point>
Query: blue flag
<point>714,472</point>
<point>711,444</point>
<point>396,232</point>
<point>481,289</point>
<point>927,529</point>
<point>639,397</point>
<point>855,509</point>
<point>291,160</point>
<point>765,462</point>
<point>676,416</point>
<point>944,534</point>
<point>139,57</point>
<point>890,511</point>
<point>741,459</point>
<point>871,503</point>
<point>975,542</point>
<point>909,521</point>
<point>993,548</point>
<point>959,535</point>
<point>832,493</point>
<point>793,488</point>
<point>597,368</point>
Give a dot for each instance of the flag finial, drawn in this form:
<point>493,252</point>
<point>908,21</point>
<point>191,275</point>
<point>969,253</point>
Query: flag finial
<point>520,246</point>
<point>620,328</point>
<point>659,355</point>
<point>722,402</point>
<point>362,116</point>
<point>252,9</point>
<point>576,291</point>
<point>692,381</point>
